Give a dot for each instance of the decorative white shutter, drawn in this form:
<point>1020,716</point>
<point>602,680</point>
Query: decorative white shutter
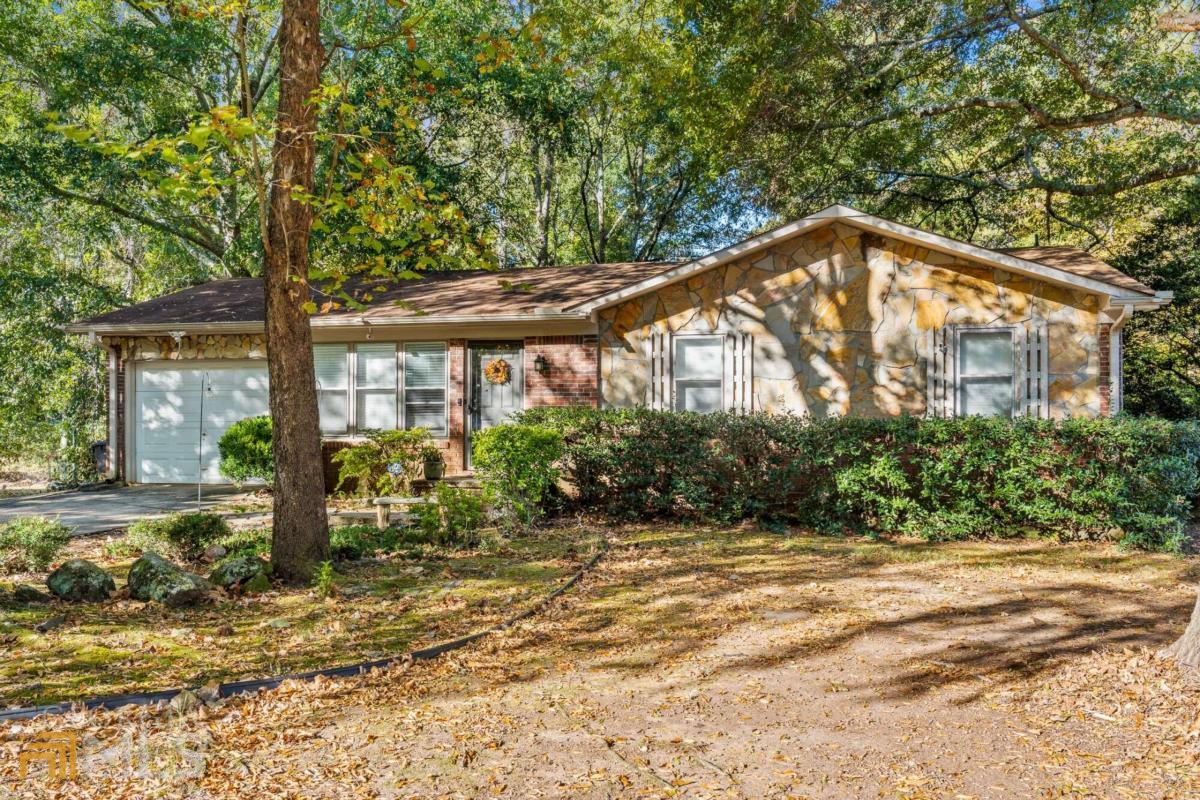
<point>1033,384</point>
<point>739,361</point>
<point>940,383</point>
<point>658,388</point>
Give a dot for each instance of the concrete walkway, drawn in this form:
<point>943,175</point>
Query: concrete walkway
<point>105,509</point>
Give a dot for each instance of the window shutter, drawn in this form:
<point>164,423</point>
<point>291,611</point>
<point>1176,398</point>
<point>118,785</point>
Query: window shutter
<point>658,390</point>
<point>940,388</point>
<point>1035,382</point>
<point>739,359</point>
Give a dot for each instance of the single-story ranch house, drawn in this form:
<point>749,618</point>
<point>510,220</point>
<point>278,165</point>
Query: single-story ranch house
<point>837,313</point>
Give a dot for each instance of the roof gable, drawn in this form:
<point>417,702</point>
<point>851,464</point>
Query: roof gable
<point>1075,272</point>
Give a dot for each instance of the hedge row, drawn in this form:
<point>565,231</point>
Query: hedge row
<point>1132,479</point>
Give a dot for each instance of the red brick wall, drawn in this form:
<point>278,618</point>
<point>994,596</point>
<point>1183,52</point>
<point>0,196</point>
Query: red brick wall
<point>1105,383</point>
<point>456,352</point>
<point>574,375</point>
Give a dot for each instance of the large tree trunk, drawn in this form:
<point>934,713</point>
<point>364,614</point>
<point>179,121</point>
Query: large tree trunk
<point>300,532</point>
<point>1186,649</point>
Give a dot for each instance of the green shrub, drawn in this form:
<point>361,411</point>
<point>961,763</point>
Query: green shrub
<point>352,542</point>
<point>255,542</point>
<point>323,580</point>
<point>30,544</point>
<point>519,468</point>
<point>1133,478</point>
<point>455,520</point>
<point>246,451</point>
<point>182,536</point>
<point>367,465</point>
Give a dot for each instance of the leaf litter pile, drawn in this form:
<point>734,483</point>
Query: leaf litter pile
<point>726,663</point>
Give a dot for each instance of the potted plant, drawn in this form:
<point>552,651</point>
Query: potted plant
<point>435,465</point>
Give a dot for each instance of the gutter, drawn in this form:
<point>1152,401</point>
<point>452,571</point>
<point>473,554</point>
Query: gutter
<point>346,322</point>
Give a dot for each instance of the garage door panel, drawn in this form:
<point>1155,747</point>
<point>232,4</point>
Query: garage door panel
<point>168,432</point>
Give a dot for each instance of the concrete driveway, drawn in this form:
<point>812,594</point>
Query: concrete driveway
<point>105,509</point>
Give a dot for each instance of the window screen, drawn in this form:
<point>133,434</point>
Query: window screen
<point>333,383</point>
<point>425,387</point>
<point>699,372</point>
<point>375,386</point>
<point>985,373</point>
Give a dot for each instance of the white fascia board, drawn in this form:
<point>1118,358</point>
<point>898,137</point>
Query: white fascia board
<point>150,329</point>
<point>868,222</point>
<point>325,322</point>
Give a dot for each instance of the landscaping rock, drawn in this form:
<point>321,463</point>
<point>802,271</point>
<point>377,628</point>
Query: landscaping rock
<point>214,553</point>
<point>185,702</point>
<point>78,580</point>
<point>48,625</point>
<point>258,584</point>
<point>24,593</point>
<point>236,571</point>
<point>152,577</point>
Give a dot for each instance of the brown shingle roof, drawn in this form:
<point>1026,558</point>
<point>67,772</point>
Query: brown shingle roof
<point>515,292</point>
<point>1079,262</point>
<point>438,294</point>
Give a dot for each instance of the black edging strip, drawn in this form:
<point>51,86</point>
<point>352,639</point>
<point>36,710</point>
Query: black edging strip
<point>253,685</point>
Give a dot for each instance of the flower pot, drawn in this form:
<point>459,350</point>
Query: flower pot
<point>434,470</point>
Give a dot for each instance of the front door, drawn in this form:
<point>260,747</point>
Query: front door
<point>495,385</point>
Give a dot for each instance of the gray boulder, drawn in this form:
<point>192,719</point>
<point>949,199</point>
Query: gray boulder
<point>24,593</point>
<point>236,571</point>
<point>80,580</point>
<point>152,577</point>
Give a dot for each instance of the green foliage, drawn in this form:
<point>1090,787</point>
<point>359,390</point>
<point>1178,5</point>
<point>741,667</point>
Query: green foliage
<point>455,520</point>
<point>30,544</point>
<point>245,450</point>
<point>251,542</point>
<point>519,468</point>
<point>957,117</point>
<point>1134,478</point>
<point>352,542</point>
<point>183,536</point>
<point>366,465</point>
<point>1162,350</point>
<point>323,578</point>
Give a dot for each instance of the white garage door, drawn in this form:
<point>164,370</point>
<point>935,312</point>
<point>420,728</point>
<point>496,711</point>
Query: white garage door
<point>173,437</point>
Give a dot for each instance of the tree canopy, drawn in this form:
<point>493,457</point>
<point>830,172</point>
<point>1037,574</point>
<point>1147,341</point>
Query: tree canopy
<point>135,144</point>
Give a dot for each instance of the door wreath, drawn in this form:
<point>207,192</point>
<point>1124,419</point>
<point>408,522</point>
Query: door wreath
<point>498,371</point>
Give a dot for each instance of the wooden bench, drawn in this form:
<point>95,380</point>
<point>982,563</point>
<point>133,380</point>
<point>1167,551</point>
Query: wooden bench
<point>383,507</point>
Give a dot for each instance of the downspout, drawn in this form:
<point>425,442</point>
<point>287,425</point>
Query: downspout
<point>1116,355</point>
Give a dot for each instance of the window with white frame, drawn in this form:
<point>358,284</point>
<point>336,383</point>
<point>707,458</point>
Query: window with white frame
<point>331,363</point>
<point>698,373</point>
<point>986,372</point>
<point>375,386</point>
<point>425,387</point>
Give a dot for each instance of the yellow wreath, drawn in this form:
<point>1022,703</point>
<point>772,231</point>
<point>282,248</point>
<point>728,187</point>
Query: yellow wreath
<point>497,371</point>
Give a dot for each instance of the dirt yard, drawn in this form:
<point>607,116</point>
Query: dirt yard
<point>731,664</point>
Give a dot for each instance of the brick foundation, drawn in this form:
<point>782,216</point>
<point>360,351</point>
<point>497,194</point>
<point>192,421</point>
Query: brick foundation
<point>573,376</point>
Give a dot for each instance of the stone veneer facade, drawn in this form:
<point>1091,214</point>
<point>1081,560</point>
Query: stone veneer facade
<point>840,321</point>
